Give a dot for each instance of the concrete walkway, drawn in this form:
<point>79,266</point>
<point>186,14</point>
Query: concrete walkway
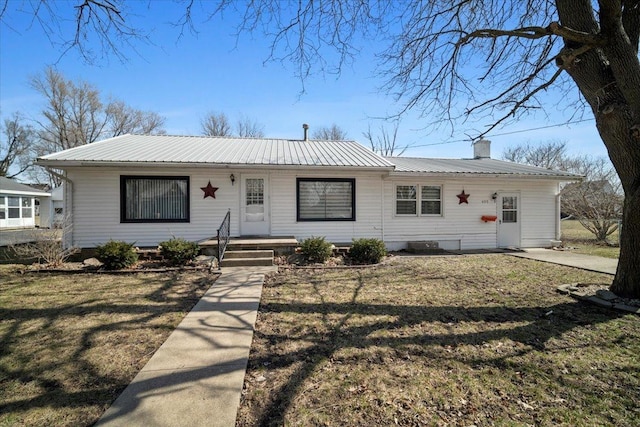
<point>585,262</point>
<point>195,378</point>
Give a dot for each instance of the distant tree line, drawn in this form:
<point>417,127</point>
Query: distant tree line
<point>76,113</point>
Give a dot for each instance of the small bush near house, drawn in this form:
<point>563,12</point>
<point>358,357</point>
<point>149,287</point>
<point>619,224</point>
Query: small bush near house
<point>116,254</point>
<point>316,249</point>
<point>45,246</point>
<point>367,251</point>
<point>179,251</point>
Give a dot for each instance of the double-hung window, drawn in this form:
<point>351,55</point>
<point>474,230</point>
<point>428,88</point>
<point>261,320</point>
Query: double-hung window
<point>430,200</point>
<point>406,199</point>
<point>154,199</point>
<point>326,199</point>
<point>418,200</point>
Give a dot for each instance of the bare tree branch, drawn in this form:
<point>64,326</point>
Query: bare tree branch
<point>216,124</point>
<point>15,146</point>
<point>330,133</point>
<point>249,128</point>
<point>385,142</point>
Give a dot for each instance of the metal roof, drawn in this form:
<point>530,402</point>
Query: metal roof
<point>275,153</point>
<point>413,165</point>
<point>166,149</point>
<point>9,186</point>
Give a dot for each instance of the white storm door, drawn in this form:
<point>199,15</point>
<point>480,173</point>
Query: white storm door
<point>254,212</point>
<point>508,220</point>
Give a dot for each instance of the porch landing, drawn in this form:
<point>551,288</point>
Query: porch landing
<point>279,244</point>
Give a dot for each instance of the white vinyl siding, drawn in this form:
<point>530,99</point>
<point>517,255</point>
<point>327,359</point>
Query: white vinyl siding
<point>94,204</point>
<point>460,225</point>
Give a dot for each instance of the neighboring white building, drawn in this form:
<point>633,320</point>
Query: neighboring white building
<point>56,210</point>
<point>18,204</point>
<point>146,189</point>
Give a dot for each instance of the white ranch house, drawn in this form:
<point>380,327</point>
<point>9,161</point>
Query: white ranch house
<point>146,189</point>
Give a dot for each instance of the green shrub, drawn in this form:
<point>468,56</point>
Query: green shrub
<point>179,251</point>
<point>316,249</point>
<point>367,251</point>
<point>116,254</point>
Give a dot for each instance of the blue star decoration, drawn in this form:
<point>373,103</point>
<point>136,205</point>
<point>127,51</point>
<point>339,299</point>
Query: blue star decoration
<point>209,190</point>
<point>463,198</point>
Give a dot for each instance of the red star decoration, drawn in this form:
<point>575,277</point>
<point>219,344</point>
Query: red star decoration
<point>209,190</point>
<point>464,198</point>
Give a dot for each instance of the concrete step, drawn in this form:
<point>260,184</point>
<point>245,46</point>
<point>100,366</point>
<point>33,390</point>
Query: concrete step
<point>247,258</point>
<point>263,253</point>
<point>246,262</point>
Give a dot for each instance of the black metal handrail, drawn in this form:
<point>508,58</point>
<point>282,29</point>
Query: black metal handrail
<point>224,232</point>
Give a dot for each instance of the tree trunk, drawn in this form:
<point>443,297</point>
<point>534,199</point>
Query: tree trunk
<point>627,280</point>
<point>609,79</point>
<point>614,130</point>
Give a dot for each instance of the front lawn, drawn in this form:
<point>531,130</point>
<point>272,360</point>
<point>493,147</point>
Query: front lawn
<point>469,340</point>
<point>582,241</point>
<point>70,343</point>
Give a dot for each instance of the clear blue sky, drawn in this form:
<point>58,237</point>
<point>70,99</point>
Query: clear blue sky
<point>184,78</point>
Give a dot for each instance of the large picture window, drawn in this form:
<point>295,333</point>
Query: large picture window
<point>154,199</point>
<point>326,199</point>
<point>423,200</point>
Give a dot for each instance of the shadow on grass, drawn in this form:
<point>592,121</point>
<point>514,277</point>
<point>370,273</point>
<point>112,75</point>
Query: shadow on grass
<point>39,329</point>
<point>534,328</point>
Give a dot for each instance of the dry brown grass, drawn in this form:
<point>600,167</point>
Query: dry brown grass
<point>582,241</point>
<point>473,340</point>
<point>69,344</point>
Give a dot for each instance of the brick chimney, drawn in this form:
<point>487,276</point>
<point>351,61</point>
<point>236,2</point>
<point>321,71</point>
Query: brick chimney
<point>482,149</point>
<point>306,131</point>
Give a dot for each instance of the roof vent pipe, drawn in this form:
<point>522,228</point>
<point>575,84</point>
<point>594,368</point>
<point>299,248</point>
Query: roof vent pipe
<point>306,131</point>
<point>482,149</point>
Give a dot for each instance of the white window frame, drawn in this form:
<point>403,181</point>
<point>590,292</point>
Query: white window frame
<point>418,200</point>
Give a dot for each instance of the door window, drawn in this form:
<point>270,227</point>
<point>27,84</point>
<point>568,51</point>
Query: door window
<point>509,209</point>
<point>254,199</point>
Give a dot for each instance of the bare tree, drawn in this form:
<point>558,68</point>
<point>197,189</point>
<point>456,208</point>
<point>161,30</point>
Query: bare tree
<point>597,201</point>
<point>15,146</point>
<point>549,155</point>
<point>123,119</point>
<point>385,142</point>
<point>45,245</point>
<point>486,62</point>
<point>330,133</point>
<point>73,115</point>
<point>216,124</point>
<point>249,128</point>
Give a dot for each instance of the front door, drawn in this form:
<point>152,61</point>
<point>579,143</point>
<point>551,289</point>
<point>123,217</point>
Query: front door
<point>508,220</point>
<point>254,212</point>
